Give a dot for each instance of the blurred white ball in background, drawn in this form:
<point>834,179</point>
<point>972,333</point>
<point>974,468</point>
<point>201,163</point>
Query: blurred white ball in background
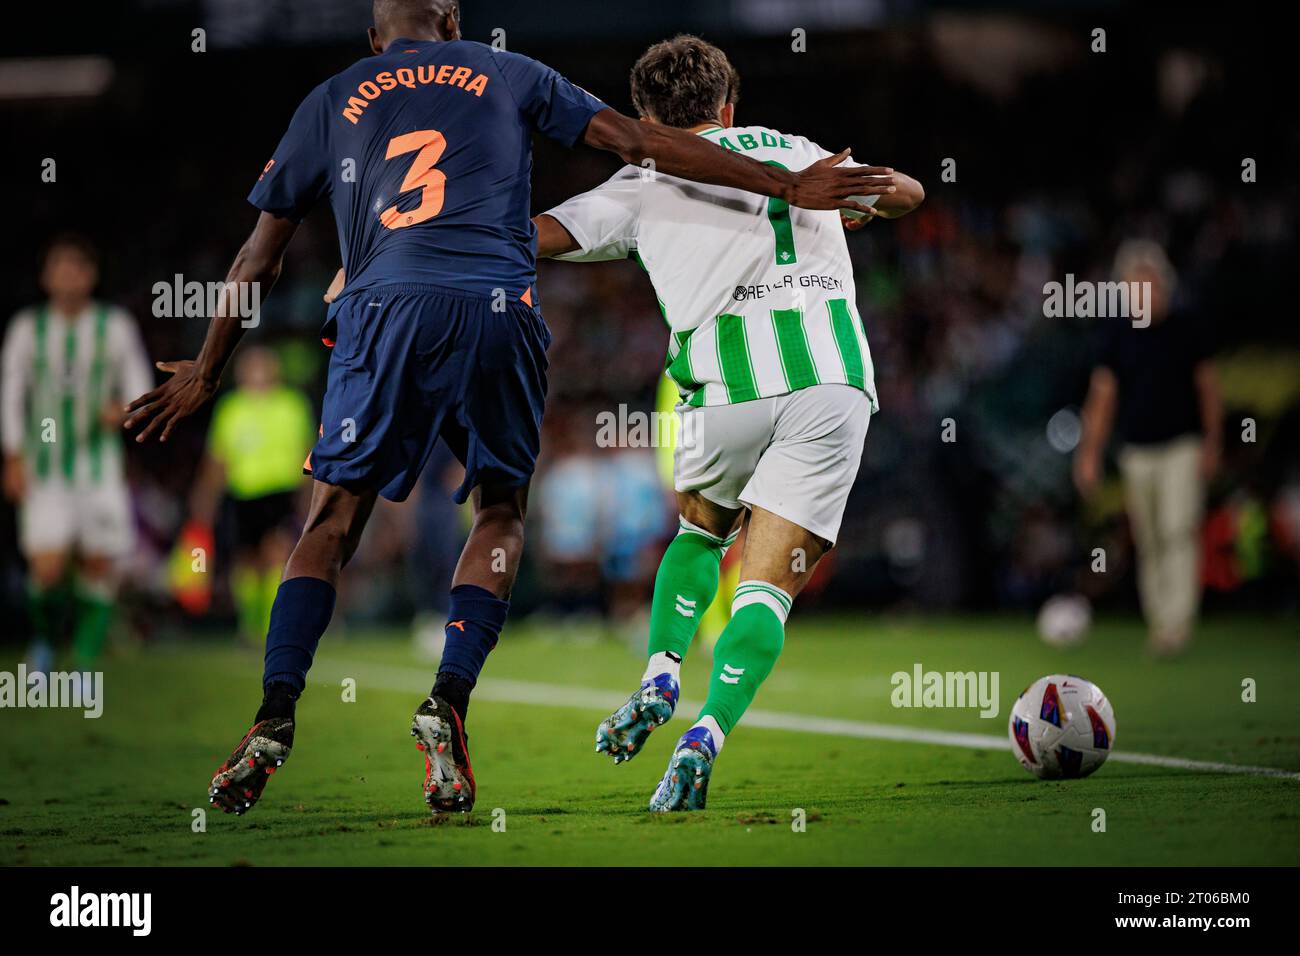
<point>1063,620</point>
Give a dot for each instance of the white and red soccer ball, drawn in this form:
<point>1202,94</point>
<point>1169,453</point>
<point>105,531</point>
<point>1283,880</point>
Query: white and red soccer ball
<point>1062,726</point>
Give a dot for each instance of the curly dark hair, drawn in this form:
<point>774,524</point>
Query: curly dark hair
<point>683,82</point>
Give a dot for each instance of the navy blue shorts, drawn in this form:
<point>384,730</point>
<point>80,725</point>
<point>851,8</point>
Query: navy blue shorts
<point>415,363</point>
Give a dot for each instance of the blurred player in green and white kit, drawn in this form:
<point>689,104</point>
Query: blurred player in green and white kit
<point>775,387</point>
<point>69,367</point>
<point>261,431</point>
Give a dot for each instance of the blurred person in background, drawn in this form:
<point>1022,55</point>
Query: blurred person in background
<point>69,366</point>
<point>568,503</point>
<point>260,433</point>
<point>634,526</point>
<point>1157,386</point>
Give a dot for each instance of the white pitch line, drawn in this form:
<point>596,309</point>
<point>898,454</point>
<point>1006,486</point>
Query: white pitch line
<point>557,695</point>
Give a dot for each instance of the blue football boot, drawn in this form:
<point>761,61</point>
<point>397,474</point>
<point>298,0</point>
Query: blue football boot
<point>685,785</point>
<point>623,733</point>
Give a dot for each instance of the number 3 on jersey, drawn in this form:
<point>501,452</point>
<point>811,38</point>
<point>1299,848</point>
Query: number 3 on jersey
<point>421,175</point>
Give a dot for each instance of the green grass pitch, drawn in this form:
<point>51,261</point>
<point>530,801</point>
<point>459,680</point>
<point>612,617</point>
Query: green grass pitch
<point>123,789</point>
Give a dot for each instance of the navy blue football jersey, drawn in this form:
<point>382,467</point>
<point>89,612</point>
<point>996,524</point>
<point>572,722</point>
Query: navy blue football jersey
<point>425,153</point>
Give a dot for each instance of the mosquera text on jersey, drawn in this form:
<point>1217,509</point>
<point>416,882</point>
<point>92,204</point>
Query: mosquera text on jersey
<point>424,153</point>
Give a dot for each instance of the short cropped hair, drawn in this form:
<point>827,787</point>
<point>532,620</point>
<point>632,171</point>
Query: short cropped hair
<point>683,82</point>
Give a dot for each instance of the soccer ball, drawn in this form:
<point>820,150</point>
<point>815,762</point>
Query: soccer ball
<point>1062,726</point>
<point>1063,620</point>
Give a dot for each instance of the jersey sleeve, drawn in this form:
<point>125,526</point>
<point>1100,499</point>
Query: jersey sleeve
<point>297,175</point>
<point>16,363</point>
<point>554,106</point>
<point>603,221</point>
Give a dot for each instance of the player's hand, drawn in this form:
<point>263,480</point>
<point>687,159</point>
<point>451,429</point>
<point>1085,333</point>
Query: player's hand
<point>335,288</point>
<point>179,397</point>
<point>15,478</point>
<point>827,185</point>
<point>853,225</point>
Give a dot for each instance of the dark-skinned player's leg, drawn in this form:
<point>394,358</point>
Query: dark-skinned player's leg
<point>303,607</point>
<point>480,596</point>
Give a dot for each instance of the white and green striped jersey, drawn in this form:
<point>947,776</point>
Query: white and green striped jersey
<point>759,295</point>
<point>58,374</point>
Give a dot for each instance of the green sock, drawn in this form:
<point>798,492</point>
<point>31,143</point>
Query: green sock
<point>746,652</point>
<point>94,617</point>
<point>684,588</point>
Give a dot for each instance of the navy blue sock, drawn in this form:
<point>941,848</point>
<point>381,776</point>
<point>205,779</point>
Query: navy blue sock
<point>302,610</point>
<point>474,622</point>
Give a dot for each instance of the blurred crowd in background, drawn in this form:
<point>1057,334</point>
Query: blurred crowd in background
<point>1039,157</point>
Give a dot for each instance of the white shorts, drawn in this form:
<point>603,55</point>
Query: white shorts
<point>795,455</point>
<point>92,519</point>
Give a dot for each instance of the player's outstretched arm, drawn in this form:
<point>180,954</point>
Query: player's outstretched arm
<point>552,238</point>
<point>907,195</point>
<point>823,185</point>
<point>1098,417</point>
<point>193,383</point>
